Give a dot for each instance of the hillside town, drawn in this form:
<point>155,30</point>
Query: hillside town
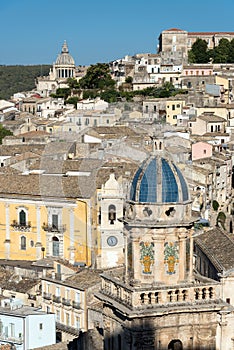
<point>117,218</point>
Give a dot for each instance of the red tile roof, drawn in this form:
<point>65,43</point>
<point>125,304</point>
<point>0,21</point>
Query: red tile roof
<point>174,30</point>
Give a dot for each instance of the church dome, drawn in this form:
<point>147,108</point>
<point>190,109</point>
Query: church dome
<point>64,58</point>
<point>159,180</point>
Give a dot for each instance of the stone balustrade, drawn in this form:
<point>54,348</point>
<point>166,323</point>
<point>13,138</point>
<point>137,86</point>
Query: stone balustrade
<point>140,298</point>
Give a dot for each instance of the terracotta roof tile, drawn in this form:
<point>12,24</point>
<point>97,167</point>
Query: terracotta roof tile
<point>218,246</point>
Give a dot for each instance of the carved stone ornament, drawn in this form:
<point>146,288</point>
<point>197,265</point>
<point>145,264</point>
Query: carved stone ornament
<point>130,212</point>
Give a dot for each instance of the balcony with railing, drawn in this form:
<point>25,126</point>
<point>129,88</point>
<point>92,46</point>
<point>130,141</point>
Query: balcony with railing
<point>76,305</point>
<point>161,296</point>
<point>66,302</point>
<point>67,329</point>
<point>22,227</point>
<point>56,299</point>
<point>53,228</point>
<point>10,339</point>
<point>47,296</point>
<point>32,297</point>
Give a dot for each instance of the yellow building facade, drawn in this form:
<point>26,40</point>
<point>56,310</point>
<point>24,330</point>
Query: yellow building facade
<point>173,108</point>
<point>68,298</point>
<point>38,219</point>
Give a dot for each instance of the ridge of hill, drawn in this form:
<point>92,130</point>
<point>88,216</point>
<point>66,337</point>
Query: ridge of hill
<point>19,78</point>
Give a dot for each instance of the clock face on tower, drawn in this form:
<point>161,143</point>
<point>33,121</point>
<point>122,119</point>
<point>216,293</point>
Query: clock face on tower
<point>112,241</point>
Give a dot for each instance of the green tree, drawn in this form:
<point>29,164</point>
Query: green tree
<point>128,80</point>
<point>73,101</point>
<point>231,52</point>
<point>199,52</point>
<point>4,132</point>
<point>97,77</point>
<point>19,78</point>
<point>109,95</point>
<point>73,83</point>
<point>62,93</point>
<point>221,53</point>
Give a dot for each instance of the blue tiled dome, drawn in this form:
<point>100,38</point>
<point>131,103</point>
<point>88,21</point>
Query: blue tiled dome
<point>158,180</point>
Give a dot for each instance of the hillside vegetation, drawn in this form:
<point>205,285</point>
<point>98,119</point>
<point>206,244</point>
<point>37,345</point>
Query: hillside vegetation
<point>19,78</point>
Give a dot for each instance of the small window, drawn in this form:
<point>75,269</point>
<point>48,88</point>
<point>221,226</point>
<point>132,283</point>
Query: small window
<point>57,292</point>
<point>67,319</point>
<point>23,243</point>
<point>58,315</point>
<point>55,221</point>
<point>40,326</point>
<point>78,322</point>
<point>173,107</point>
<point>77,297</point>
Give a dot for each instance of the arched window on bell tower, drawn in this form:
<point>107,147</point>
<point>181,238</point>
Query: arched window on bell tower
<point>112,214</point>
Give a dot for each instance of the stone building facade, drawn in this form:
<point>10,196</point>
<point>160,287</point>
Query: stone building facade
<point>175,43</point>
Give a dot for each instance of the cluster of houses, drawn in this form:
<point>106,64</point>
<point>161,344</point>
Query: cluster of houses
<point>74,205</point>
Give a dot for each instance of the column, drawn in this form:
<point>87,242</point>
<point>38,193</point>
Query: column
<point>136,264</point>
<point>126,275</point>
<point>38,243</point>
<point>182,255</point>
<point>159,240</point>
<point>71,247</point>
<point>7,240</point>
<point>191,256</point>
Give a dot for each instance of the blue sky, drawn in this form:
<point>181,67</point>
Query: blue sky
<point>32,32</point>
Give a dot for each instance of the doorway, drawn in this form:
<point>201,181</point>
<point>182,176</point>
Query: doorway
<point>175,344</point>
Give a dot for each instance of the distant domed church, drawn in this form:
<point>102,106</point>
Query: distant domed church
<point>62,69</point>
<point>157,301</point>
